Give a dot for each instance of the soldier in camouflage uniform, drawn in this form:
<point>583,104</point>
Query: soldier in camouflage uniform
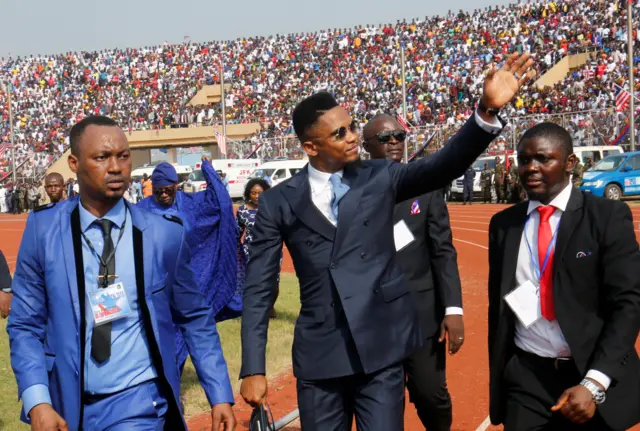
<point>498,181</point>
<point>485,183</point>
<point>513,181</point>
<point>576,175</point>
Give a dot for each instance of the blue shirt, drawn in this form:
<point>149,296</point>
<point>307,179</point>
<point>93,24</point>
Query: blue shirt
<point>130,362</point>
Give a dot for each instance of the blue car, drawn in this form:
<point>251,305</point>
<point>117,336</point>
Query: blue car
<point>614,177</point>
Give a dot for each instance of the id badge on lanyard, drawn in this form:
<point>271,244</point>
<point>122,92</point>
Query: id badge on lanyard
<point>524,300</point>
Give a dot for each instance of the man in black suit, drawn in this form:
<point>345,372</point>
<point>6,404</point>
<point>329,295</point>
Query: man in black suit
<point>357,322</point>
<point>564,300</point>
<point>429,262</point>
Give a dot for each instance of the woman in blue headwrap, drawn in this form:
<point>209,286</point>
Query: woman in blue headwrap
<point>212,235</point>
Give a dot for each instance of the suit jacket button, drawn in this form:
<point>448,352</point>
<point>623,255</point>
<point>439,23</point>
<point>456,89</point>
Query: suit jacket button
<point>363,256</point>
<point>308,242</point>
<point>333,304</point>
<point>366,222</point>
<point>376,291</point>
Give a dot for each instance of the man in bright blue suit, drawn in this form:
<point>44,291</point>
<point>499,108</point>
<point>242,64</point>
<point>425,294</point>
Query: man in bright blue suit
<point>82,362</point>
<point>212,235</point>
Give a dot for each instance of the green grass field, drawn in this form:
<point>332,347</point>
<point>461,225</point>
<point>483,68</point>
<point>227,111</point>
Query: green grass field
<point>278,358</point>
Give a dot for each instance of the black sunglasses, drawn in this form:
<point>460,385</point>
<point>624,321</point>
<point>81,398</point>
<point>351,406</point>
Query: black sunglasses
<point>341,133</point>
<point>385,137</point>
<point>168,191</point>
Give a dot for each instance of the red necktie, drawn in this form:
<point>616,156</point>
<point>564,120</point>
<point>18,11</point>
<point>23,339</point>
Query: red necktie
<point>546,277</point>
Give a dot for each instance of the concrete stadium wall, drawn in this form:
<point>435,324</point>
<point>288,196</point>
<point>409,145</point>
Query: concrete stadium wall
<point>560,71</point>
<point>209,94</point>
<point>62,167</point>
<point>188,137</point>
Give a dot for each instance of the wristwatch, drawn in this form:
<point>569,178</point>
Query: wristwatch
<point>490,111</point>
<point>599,396</point>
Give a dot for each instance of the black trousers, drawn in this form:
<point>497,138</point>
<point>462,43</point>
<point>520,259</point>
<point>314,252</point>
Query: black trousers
<point>533,386</point>
<point>427,384</point>
<point>376,400</point>
<point>467,192</point>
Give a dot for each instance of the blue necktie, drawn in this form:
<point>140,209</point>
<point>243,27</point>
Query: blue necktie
<point>338,191</point>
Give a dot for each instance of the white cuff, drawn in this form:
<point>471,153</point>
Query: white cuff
<point>494,127</point>
<point>599,377</point>
<point>455,311</point>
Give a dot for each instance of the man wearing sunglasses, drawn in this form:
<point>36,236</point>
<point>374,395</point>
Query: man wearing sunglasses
<point>357,321</point>
<point>211,234</point>
<point>430,265</point>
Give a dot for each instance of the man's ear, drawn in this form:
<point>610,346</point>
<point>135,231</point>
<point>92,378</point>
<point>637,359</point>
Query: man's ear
<point>310,148</point>
<point>73,163</point>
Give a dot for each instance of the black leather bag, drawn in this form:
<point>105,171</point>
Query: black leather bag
<point>262,419</point>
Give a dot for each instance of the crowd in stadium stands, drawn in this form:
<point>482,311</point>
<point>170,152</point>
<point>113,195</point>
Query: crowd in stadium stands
<point>445,57</point>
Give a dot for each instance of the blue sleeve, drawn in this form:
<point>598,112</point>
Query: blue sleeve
<point>28,318</point>
<point>34,395</point>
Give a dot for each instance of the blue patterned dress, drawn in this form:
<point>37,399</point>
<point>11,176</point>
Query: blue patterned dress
<point>212,238</point>
<point>246,220</point>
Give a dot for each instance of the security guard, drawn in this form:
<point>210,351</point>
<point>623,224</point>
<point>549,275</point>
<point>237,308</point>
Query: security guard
<point>498,181</point>
<point>576,175</point>
<point>467,185</point>
<point>485,183</point>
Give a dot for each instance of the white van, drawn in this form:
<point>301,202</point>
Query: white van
<point>478,166</point>
<point>237,171</point>
<point>596,153</point>
<point>183,171</point>
<point>277,171</point>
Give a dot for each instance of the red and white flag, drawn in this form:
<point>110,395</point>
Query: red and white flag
<point>588,73</point>
<point>623,98</point>
<point>3,150</point>
<point>222,142</point>
<point>402,122</point>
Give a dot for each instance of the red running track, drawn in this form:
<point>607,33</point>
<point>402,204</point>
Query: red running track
<point>467,372</point>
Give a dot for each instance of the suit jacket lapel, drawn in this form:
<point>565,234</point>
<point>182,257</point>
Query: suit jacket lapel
<point>568,223</point>
<point>355,178</point>
<point>512,240</point>
<point>141,242</point>
<point>70,232</point>
<point>298,193</point>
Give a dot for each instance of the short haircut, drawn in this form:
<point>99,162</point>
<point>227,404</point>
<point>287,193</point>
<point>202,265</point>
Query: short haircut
<point>552,132</point>
<point>53,175</point>
<point>253,182</point>
<point>307,112</point>
<point>78,129</point>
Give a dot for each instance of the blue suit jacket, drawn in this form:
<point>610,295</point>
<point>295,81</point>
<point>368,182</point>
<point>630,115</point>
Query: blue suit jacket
<point>47,322</point>
<point>356,312</point>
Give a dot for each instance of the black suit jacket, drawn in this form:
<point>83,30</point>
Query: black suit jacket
<point>430,262</point>
<point>596,298</point>
<point>356,315</point>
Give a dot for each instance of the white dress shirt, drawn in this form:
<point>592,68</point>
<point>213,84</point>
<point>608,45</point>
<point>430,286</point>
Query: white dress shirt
<point>543,338</point>
<point>322,193</point>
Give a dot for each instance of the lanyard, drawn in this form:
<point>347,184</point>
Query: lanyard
<point>105,263</point>
<point>539,271</point>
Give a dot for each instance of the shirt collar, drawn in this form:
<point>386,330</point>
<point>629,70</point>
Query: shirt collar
<point>115,215</point>
<point>559,202</point>
<point>320,178</point>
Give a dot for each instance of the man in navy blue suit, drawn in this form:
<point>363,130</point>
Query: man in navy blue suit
<point>357,322</point>
<point>98,287</point>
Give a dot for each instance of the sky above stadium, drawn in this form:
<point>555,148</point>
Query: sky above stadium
<point>43,27</point>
